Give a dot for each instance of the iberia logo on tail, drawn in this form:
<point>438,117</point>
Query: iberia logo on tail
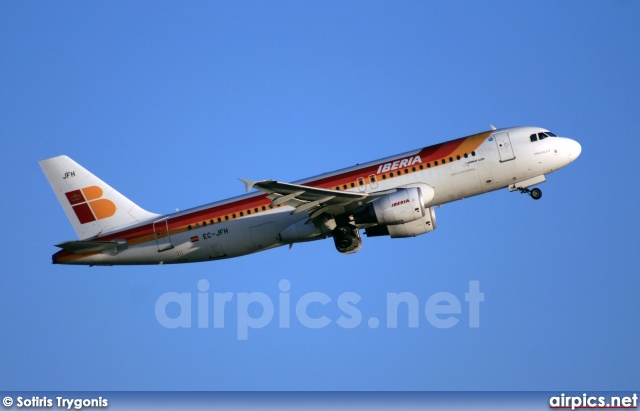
<point>88,205</point>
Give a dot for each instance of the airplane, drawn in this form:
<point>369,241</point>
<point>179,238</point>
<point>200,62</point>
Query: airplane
<point>395,196</point>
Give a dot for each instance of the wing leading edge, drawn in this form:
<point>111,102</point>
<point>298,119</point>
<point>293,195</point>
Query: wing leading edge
<point>313,200</point>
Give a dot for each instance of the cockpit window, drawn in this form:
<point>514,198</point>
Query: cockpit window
<point>541,136</point>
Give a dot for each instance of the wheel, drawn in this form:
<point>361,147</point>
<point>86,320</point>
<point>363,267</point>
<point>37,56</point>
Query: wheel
<point>347,239</point>
<point>536,193</point>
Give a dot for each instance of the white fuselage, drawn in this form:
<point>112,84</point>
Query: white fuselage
<point>242,225</point>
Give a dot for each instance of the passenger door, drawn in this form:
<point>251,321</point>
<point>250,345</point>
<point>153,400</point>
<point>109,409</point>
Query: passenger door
<point>503,143</point>
<point>161,233</point>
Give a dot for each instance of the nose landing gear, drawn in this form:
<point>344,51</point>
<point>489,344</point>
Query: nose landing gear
<point>535,193</point>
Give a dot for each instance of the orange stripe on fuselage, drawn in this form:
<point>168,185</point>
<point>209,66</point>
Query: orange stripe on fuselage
<point>454,148</point>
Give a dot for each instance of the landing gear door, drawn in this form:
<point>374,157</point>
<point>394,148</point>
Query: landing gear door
<point>161,233</point>
<point>503,143</point>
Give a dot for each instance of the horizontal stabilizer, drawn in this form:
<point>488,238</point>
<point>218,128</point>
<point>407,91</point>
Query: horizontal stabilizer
<point>86,247</point>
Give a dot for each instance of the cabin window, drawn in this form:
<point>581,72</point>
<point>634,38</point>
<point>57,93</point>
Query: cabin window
<point>458,157</point>
<point>241,213</point>
<point>219,219</point>
<point>264,208</point>
<point>189,227</point>
<point>473,153</point>
<point>211,221</point>
<point>406,171</point>
<point>384,176</point>
<point>360,182</point>
<point>435,163</point>
<point>422,167</point>
<point>451,159</point>
<point>197,225</point>
<point>373,179</point>
<point>338,188</point>
<point>413,169</point>
<point>204,223</point>
<point>248,212</point>
<point>344,186</point>
<point>466,155</point>
<point>391,174</point>
<point>226,218</point>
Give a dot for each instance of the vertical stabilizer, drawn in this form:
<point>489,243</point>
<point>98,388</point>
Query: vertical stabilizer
<point>93,206</point>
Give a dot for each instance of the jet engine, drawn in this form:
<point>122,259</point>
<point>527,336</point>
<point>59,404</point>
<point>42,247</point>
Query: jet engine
<point>410,229</point>
<point>402,206</point>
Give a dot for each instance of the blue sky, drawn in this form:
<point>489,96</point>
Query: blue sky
<point>171,103</point>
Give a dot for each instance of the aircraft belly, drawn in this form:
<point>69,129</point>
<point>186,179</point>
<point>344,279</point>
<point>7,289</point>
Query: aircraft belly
<point>245,236</point>
<point>264,235</point>
<point>216,250</point>
<point>141,254</point>
<point>465,183</point>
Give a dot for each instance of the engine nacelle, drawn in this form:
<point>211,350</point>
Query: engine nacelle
<point>403,206</point>
<point>410,229</point>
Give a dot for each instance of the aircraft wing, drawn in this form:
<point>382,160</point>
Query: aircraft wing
<point>311,199</point>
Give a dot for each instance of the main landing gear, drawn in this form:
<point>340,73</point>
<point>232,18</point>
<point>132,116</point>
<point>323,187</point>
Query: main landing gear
<point>347,239</point>
<point>535,193</point>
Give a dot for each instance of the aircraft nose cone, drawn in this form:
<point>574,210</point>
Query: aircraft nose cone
<point>574,150</point>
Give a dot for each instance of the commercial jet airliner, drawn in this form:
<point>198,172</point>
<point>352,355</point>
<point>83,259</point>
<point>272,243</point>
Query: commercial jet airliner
<point>395,196</point>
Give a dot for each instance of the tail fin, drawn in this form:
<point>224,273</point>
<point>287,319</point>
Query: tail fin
<point>93,207</point>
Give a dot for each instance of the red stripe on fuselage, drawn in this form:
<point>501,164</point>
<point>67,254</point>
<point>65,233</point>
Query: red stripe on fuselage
<point>427,154</point>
